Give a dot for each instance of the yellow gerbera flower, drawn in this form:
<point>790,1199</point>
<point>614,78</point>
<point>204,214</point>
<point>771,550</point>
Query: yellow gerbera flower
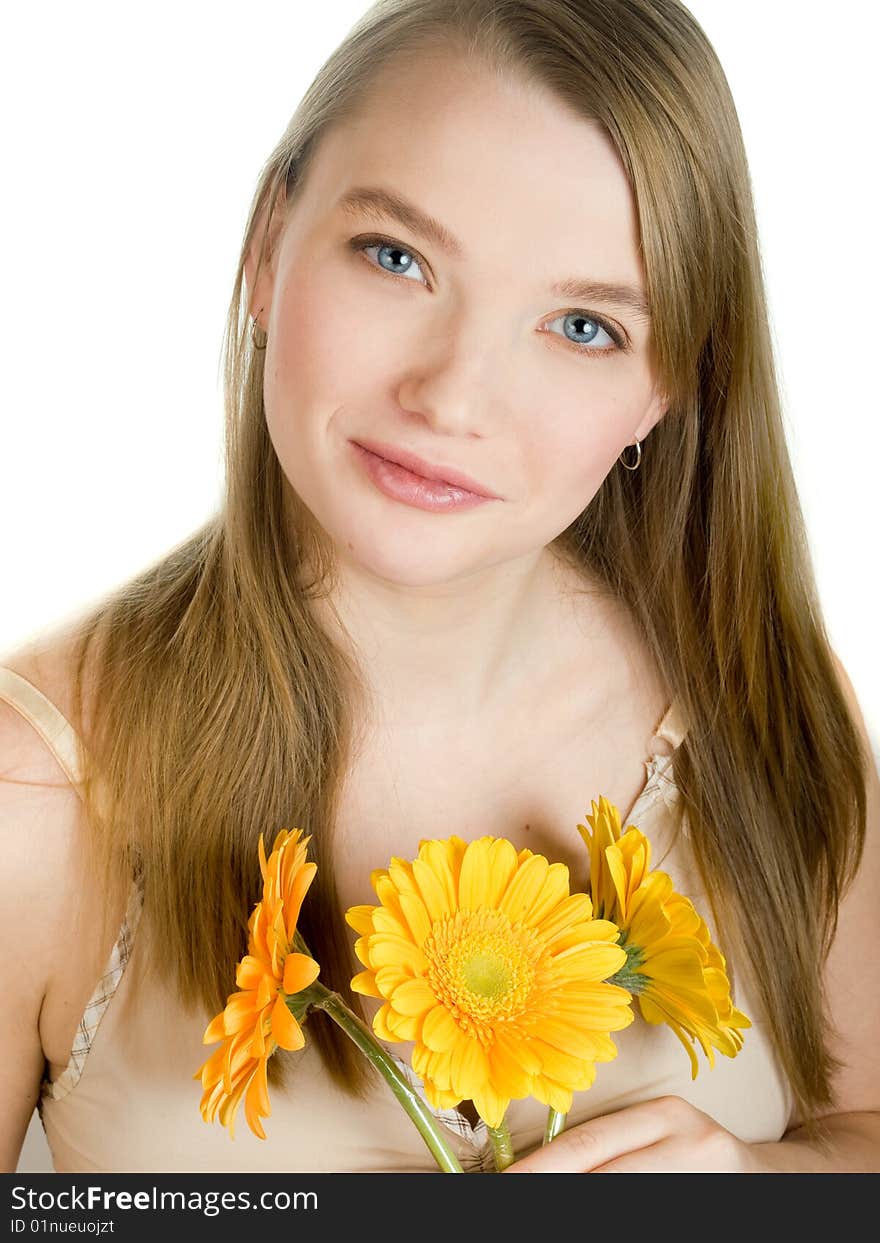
<point>256,1020</point>
<point>482,957</point>
<point>677,973</point>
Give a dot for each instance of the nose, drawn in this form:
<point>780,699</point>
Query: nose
<point>453,384</point>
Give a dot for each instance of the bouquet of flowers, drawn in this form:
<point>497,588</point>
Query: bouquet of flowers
<point>508,984</point>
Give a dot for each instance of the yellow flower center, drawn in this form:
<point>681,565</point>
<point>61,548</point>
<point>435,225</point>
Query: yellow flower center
<point>486,974</point>
<point>482,967</point>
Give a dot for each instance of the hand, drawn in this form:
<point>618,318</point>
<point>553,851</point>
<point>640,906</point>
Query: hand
<point>666,1135</point>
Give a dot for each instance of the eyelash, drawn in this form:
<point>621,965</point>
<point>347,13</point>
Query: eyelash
<point>361,244</point>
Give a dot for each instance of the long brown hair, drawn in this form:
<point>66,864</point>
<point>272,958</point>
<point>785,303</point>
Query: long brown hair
<point>218,709</point>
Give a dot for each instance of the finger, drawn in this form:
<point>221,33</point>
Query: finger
<point>677,1154</point>
<point>655,1159</point>
<point>608,1137</point>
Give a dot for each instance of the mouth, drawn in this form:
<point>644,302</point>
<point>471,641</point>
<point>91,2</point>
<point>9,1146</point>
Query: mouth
<point>402,484</point>
<point>447,475</point>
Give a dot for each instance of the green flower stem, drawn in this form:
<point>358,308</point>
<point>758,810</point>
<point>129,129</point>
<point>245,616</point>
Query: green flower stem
<point>555,1125</point>
<point>321,998</point>
<point>502,1147</point>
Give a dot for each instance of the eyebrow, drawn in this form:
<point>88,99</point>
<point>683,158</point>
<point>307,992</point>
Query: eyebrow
<point>383,203</point>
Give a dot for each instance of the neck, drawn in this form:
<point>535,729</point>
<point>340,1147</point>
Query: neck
<point>454,652</point>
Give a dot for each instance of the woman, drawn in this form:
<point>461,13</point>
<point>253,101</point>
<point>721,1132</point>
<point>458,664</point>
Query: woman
<point>511,247</point>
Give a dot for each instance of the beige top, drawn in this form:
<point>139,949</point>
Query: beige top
<point>127,1101</point>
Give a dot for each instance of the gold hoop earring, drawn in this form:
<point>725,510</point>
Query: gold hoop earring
<point>254,327</point>
<point>638,461</point>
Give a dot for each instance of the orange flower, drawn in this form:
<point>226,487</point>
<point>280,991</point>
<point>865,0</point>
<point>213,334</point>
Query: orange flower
<point>256,1020</point>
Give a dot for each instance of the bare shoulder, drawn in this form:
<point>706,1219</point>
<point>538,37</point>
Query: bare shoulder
<point>49,663</point>
<point>39,822</point>
<point>48,895</point>
<point>39,816</point>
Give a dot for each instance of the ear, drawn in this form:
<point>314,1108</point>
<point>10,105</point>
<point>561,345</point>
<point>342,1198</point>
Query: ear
<point>654,413</point>
<point>260,276</point>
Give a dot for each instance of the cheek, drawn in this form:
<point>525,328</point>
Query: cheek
<point>571,452</point>
<point>324,349</point>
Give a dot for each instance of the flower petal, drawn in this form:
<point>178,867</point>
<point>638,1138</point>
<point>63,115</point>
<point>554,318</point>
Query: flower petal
<point>508,1070</point>
<point>365,982</point>
<point>444,859</point>
<point>249,972</point>
<point>433,891</point>
<point>256,1101</point>
<point>413,997</point>
<point>552,1094</point>
<point>388,920</point>
<point>438,1099</point>
<point>577,908</point>
<point>380,1025</point>
<point>524,888</point>
<point>469,1067</point>
<point>216,1029</point>
<point>299,972</point>
<point>595,960</point>
<point>440,1031</point>
<point>386,950</point>
<point>285,1029</point>
<point>416,914</point>
<point>360,918</point>
<point>402,1026</point>
<point>475,877</point>
<point>490,1105</point>
<point>552,894</point>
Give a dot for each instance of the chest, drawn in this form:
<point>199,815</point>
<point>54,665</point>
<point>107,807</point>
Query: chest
<point>530,778</point>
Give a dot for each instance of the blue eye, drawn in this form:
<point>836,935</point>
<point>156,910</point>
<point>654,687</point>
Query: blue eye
<point>398,260</point>
<point>390,253</point>
<point>589,333</point>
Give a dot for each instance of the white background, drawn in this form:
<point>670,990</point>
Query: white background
<point>133,139</point>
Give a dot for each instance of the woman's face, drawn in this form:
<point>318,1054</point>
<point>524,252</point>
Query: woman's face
<point>464,355</point>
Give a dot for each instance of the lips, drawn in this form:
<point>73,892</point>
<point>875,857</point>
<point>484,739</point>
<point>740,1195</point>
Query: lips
<point>427,470</point>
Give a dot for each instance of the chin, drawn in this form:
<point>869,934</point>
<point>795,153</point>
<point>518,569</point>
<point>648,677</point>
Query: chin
<point>404,561</point>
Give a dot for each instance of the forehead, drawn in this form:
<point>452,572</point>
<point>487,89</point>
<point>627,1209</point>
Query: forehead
<point>497,160</point>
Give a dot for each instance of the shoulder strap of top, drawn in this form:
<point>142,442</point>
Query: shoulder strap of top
<point>48,720</point>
